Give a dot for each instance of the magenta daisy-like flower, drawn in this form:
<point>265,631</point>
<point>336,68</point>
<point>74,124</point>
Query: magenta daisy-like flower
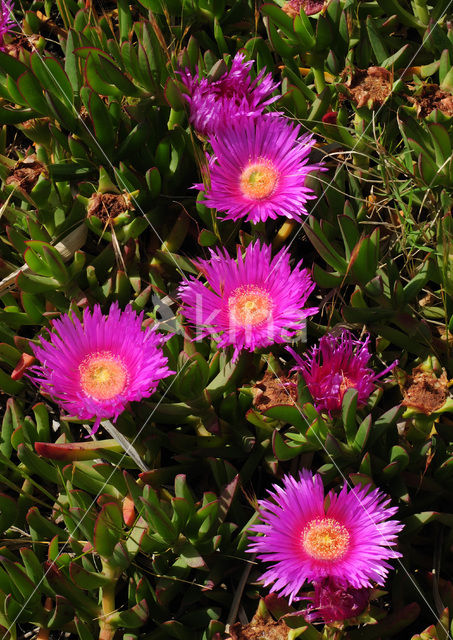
<point>338,363</point>
<point>333,601</point>
<point>307,537</point>
<point>6,19</point>
<point>258,170</point>
<point>214,103</point>
<point>250,302</point>
<point>93,369</point>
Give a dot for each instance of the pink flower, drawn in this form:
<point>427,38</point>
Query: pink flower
<point>6,19</point>
<point>93,369</point>
<point>333,601</point>
<point>337,364</point>
<point>215,103</point>
<point>306,537</point>
<point>258,170</point>
<point>252,301</point>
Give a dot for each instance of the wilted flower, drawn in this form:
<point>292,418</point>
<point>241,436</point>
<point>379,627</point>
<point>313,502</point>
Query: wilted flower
<point>337,364</point>
<point>330,117</point>
<point>307,537</point>
<point>258,170</point>
<point>426,389</point>
<point>310,7</point>
<point>333,601</point>
<point>93,369</point>
<point>252,302</point>
<point>215,103</point>
<point>6,19</point>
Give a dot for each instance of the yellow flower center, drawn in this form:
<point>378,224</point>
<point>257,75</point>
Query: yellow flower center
<point>249,305</point>
<point>346,384</point>
<point>259,180</point>
<point>325,539</point>
<point>103,375</point>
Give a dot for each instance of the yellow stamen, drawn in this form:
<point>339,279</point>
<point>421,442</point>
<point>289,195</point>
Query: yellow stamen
<point>346,384</point>
<point>325,539</point>
<point>249,305</point>
<point>103,375</point>
<point>259,180</point>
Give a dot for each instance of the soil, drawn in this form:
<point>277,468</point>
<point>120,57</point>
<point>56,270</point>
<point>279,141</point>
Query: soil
<point>273,390</point>
<point>425,391</point>
<point>25,174</point>
<point>432,97</point>
<point>107,206</point>
<point>370,86</point>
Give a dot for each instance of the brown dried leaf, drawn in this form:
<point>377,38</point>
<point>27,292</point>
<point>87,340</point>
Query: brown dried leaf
<point>26,173</point>
<point>369,87</point>
<point>107,206</point>
<point>273,390</point>
<point>425,391</point>
<point>259,629</point>
<point>432,97</point>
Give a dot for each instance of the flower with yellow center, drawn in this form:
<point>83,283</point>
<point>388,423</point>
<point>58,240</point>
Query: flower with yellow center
<point>93,368</point>
<point>250,301</point>
<point>346,538</point>
<point>258,170</point>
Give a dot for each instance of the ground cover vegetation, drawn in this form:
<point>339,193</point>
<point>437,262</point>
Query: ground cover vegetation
<point>226,285</point>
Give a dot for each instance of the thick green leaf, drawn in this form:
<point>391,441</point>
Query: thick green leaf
<point>95,80</point>
<point>290,414</point>
<point>103,127</point>
<point>304,32</point>
<point>52,77</point>
<point>324,247</point>
<point>108,529</point>
<point>16,115</point>
<point>362,435</point>
<point>32,92</point>
<point>282,450</point>
<point>378,43</point>
<point>348,409</point>
<point>87,579</point>
<point>8,511</point>
<point>133,618</point>
<point>363,263</point>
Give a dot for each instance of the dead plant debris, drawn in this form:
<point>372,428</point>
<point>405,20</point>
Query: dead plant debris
<point>293,7</point>
<point>259,629</point>
<point>107,206</point>
<point>273,390</point>
<point>425,391</point>
<point>26,174</point>
<point>432,97</point>
<point>368,87</point>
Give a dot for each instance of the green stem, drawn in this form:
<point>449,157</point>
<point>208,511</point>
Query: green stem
<point>106,630</point>
<point>332,633</point>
